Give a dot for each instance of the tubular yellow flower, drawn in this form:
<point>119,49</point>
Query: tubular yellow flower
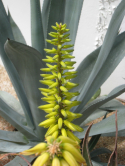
<point>70,148</point>
<point>63,162</point>
<point>69,158</point>
<point>60,122</point>
<point>63,131</point>
<point>69,125</point>
<point>47,122</point>
<point>67,139</point>
<point>72,136</point>
<point>42,159</point>
<point>38,148</point>
<point>55,134</point>
<point>56,162</point>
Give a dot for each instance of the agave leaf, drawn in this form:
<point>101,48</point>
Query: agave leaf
<point>113,160</point>
<point>99,151</point>
<point>18,161</point>
<point>45,15</point>
<point>91,107</point>
<point>72,16</point>
<point>121,133</point>
<point>16,120</point>
<point>96,163</point>
<point>85,150</point>
<point>87,65</point>
<point>84,69</point>
<point>96,159</point>
<point>95,95</point>
<point>112,105</point>
<point>29,72</point>
<point>11,101</point>
<point>2,8</point>
<point>105,126</point>
<point>105,164</point>
<point>102,164</point>
<point>96,114</point>
<point>94,139</point>
<point>11,136</point>
<point>105,63</point>
<point>58,11</point>
<point>37,35</point>
<point>16,31</point>
<point>10,147</point>
<point>6,32</point>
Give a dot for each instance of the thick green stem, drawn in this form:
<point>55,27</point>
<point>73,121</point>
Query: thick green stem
<point>59,81</point>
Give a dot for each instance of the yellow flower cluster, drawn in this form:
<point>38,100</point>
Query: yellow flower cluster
<point>62,151</point>
<point>62,147</point>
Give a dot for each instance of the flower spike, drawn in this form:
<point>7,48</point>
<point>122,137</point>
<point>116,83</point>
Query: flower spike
<point>62,147</point>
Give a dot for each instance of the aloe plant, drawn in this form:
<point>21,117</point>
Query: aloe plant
<point>23,65</point>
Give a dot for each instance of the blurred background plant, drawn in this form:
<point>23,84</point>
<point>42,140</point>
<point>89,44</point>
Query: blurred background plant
<point>23,65</point>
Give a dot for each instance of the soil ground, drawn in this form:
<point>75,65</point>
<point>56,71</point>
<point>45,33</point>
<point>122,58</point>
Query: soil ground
<point>107,142</point>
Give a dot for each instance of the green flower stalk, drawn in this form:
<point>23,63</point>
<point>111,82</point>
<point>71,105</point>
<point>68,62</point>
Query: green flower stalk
<point>62,147</point>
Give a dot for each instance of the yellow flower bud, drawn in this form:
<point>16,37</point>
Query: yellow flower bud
<point>63,131</point>
<point>47,122</point>
<point>69,158</point>
<point>46,106</point>
<point>46,69</point>
<point>64,162</point>
<point>56,162</point>
<point>42,159</point>
<point>38,148</point>
<point>55,134</point>
<point>53,85</point>
<point>60,122</point>
<point>63,89</point>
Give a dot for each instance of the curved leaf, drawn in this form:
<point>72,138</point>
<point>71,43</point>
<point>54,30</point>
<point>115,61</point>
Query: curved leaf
<point>106,62</point>
<point>84,69</point>
<point>106,126</point>
<point>121,133</point>
<point>90,108</point>
<point>11,101</point>
<point>12,136</point>
<point>96,114</point>
<point>99,151</point>
<point>96,159</point>
<point>93,142</point>
<point>97,94</point>
<point>45,15</point>
<point>16,120</point>
<point>16,31</point>
<point>58,11</point>
<point>97,163</point>
<point>6,32</point>
<point>55,12</point>
<point>37,35</point>
<point>112,105</point>
<point>29,72</point>
<point>85,149</point>
<point>87,65</point>
<point>94,139</point>
<point>2,8</point>
<point>10,147</point>
<point>18,161</point>
<point>72,17</point>
<point>105,164</point>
